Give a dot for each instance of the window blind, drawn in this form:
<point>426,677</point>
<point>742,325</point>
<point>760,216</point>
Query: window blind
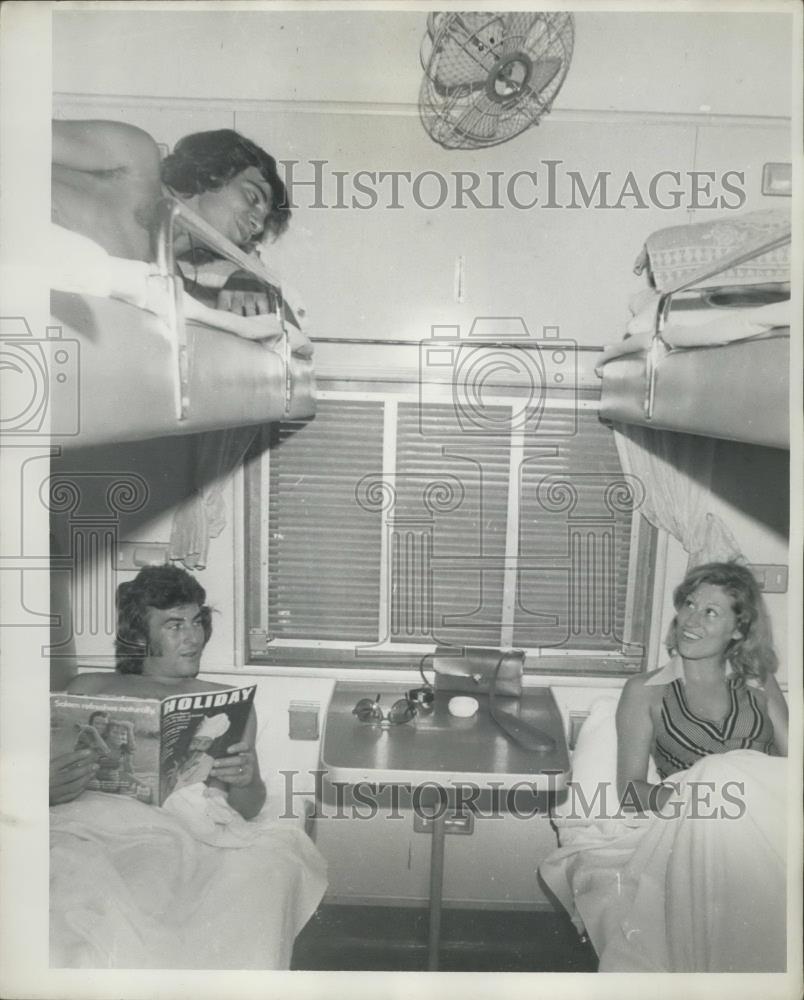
<point>575,516</point>
<point>323,551</point>
<point>389,526</point>
<point>453,499</point>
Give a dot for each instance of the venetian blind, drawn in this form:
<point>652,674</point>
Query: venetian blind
<point>419,551</point>
<point>323,551</point>
<point>575,515</point>
<point>452,491</point>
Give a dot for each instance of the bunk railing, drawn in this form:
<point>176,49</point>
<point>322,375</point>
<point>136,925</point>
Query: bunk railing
<point>658,346</point>
<point>172,213</point>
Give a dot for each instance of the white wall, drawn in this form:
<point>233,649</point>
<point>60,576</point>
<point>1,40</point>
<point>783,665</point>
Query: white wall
<point>655,62</point>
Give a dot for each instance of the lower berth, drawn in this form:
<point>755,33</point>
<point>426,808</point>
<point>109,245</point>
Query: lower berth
<point>134,886</point>
<point>701,891</point>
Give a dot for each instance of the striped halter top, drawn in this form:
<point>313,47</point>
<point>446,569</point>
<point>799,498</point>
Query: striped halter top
<point>683,737</point>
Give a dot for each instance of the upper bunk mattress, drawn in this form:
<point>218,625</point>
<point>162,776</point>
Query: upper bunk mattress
<point>738,391</point>
<point>120,376</point>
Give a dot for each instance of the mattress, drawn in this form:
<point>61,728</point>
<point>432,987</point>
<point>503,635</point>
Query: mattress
<point>737,391</point>
<point>113,376</point>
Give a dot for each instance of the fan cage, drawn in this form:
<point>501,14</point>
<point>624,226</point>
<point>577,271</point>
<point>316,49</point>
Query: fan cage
<point>491,75</point>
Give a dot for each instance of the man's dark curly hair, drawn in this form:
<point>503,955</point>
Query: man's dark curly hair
<point>159,587</point>
<point>207,161</point>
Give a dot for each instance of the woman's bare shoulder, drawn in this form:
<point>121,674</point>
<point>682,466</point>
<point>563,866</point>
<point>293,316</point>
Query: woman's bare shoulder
<point>637,688</point>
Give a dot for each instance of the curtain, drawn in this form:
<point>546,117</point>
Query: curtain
<point>675,471</point>
<point>202,516</point>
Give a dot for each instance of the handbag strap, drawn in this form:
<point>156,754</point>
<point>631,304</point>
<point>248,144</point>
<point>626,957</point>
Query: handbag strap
<point>518,730</point>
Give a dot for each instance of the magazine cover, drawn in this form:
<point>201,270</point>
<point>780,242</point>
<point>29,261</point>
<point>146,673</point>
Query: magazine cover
<point>146,747</point>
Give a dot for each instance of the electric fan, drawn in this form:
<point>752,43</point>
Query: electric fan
<point>489,76</point>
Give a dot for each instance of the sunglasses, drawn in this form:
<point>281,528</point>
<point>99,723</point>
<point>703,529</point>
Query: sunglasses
<point>403,710</point>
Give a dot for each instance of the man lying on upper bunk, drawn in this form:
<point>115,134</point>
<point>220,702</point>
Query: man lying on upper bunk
<point>108,179</point>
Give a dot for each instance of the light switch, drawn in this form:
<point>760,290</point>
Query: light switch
<point>777,179</point>
<point>772,578</point>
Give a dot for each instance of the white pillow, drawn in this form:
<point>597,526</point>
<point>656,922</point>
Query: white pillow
<point>594,762</point>
<point>594,759</point>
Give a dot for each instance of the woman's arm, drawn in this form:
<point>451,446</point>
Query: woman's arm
<point>777,712</point>
<point>95,146</point>
<point>634,742</point>
<point>239,771</point>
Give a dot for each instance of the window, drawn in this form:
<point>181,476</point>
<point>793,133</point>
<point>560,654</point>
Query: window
<point>387,525</point>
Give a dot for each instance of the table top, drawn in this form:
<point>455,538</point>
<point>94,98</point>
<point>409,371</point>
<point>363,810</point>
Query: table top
<point>437,746</point>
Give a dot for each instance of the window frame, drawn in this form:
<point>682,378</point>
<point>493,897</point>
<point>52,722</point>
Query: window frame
<point>338,656</point>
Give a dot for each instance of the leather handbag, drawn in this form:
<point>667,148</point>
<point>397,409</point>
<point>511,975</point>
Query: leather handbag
<point>472,670</point>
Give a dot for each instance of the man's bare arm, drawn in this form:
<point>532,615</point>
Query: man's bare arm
<point>101,145</point>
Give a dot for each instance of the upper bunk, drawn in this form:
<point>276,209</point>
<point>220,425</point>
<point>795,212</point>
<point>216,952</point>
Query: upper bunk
<point>709,352</point>
<point>133,356</point>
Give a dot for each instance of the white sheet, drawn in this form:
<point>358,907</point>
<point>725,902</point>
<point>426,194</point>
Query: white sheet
<point>698,328</point>
<point>131,886</point>
<point>78,264</point>
<point>701,892</point>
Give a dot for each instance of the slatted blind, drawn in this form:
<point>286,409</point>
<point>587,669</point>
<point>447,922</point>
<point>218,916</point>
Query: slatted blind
<point>323,552</point>
<point>452,503</point>
<point>575,515</point>
<point>419,557</point>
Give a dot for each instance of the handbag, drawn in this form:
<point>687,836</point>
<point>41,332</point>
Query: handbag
<point>472,670</point>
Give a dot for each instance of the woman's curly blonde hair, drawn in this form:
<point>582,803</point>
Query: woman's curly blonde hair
<point>752,655</point>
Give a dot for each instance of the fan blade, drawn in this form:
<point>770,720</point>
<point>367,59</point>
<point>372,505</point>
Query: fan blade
<point>480,121</point>
<point>490,112</point>
<point>461,55</point>
<point>544,72</point>
<point>517,27</point>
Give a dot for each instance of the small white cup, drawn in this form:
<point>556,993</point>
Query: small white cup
<point>463,707</point>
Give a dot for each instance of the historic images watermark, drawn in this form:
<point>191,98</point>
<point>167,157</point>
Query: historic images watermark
<point>550,184</point>
<point>491,394</point>
<point>498,351</point>
<point>429,800</point>
<point>42,404</point>
<point>41,381</point>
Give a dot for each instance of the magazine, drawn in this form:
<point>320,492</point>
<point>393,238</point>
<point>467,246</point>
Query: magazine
<point>149,747</point>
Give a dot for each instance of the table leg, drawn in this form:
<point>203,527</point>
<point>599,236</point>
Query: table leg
<point>436,890</point>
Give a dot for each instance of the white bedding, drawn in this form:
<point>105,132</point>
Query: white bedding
<point>702,891</point>
<point>134,886</point>
<point>697,327</point>
<point>77,264</point>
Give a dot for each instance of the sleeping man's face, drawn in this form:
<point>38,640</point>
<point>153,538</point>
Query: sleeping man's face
<point>239,209</point>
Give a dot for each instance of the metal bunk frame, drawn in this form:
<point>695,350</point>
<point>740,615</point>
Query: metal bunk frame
<point>658,347</point>
<point>170,213</point>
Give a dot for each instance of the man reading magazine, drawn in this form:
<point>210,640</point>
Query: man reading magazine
<point>163,626</point>
<point>206,880</point>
